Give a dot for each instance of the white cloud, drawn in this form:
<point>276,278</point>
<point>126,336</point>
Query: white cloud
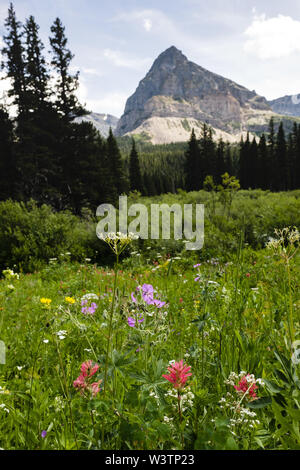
<point>119,59</point>
<point>147,19</point>
<point>110,103</point>
<point>147,23</point>
<point>91,71</point>
<point>85,70</point>
<point>272,38</point>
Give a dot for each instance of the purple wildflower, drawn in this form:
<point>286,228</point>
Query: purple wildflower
<point>158,303</point>
<point>91,309</point>
<point>133,298</point>
<point>131,321</point>
<point>44,434</point>
<point>147,293</point>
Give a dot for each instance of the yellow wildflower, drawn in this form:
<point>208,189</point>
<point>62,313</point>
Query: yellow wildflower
<point>45,301</point>
<point>70,300</point>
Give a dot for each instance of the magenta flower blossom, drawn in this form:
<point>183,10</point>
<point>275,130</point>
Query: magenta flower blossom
<point>44,434</point>
<point>87,369</point>
<point>197,265</point>
<point>147,288</point>
<point>132,321</point>
<point>84,381</point>
<point>91,309</point>
<point>178,374</point>
<point>147,293</point>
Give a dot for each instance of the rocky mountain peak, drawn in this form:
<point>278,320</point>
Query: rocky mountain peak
<point>175,87</point>
<point>288,105</point>
<point>171,57</point>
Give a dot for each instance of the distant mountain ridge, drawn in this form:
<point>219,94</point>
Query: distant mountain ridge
<point>288,105</point>
<point>177,94</point>
<point>102,122</point>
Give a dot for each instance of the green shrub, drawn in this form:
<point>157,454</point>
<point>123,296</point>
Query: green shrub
<point>31,235</point>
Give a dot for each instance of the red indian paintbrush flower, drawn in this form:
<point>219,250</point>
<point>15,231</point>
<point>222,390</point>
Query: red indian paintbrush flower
<point>247,385</point>
<point>84,381</point>
<point>178,374</point>
<point>87,368</point>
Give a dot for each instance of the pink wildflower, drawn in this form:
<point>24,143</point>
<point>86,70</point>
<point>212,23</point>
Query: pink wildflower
<point>131,321</point>
<point>178,374</point>
<point>96,387</point>
<point>80,382</point>
<point>246,385</point>
<point>87,369</point>
<point>83,382</point>
<point>147,293</point>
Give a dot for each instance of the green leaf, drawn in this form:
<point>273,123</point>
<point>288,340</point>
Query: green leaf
<point>231,444</point>
<point>240,340</point>
<point>260,403</point>
<point>273,387</point>
<point>280,375</point>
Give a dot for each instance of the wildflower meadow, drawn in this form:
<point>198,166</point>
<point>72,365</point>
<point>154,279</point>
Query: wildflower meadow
<point>154,351</point>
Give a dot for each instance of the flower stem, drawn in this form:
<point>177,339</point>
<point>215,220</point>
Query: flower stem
<point>110,323</point>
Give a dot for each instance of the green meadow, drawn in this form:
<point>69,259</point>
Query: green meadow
<point>94,338</point>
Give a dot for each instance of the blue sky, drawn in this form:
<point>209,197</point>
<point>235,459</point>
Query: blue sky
<point>255,43</point>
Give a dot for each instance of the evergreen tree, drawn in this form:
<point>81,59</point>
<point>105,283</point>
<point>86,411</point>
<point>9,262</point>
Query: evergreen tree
<point>271,156</point>
<point>135,176</point>
<point>245,163</point>
<point>230,160</point>
<point>7,169</point>
<point>14,62</point>
<point>293,155</point>
<point>281,169</point>
<point>220,162</point>
<point>37,75</point>
<point>150,189</point>
<point>253,166</point>
<point>209,154</point>
<point>114,158</point>
<point>66,101</point>
<point>263,170</point>
<point>192,168</point>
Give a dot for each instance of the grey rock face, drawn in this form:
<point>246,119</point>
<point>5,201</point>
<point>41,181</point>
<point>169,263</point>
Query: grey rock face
<point>102,122</point>
<point>287,105</point>
<point>176,87</point>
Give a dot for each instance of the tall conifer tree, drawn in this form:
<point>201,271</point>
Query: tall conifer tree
<point>135,176</point>
<point>66,84</point>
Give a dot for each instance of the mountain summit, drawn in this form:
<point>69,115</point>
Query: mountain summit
<point>177,94</point>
